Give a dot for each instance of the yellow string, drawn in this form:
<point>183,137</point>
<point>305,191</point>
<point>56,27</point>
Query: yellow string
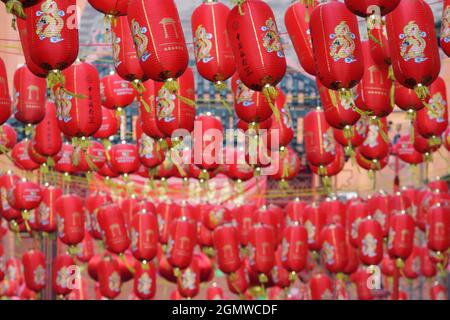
<point>270,94</point>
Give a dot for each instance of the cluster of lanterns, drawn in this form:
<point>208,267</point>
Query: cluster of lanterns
<point>70,115</point>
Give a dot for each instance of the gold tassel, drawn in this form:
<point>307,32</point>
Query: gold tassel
<point>107,145</point>
<point>220,86</point>
<point>15,7</point>
<point>239,3</point>
<point>270,94</point>
<point>333,99</point>
<point>381,130</point>
<point>173,86</point>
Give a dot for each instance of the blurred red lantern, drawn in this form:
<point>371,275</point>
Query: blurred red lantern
<point>400,203</point>
<point>405,150</point>
<point>438,237</point>
<point>24,195</point>
<point>296,20</point>
<point>357,210</point>
<point>361,279</point>
<point>321,287</point>
<point>366,8</point>
<point>124,158</point>
<point>8,138</point>
<point>353,260</point>
<point>336,46</point>
<point>238,282</point>
<point>334,248</point>
<point>378,206</point>
<point>64,164</point>
<point>7,181</point>
<point>79,115</point>
<point>164,214</point>
<point>109,126</point>
<point>115,8</point>
<point>295,211</point>
<point>116,92</point>
<point>215,292</point>
<point>401,236</point>
<point>188,282</point>
<point>47,208</point>
<point>29,97</point>
<point>425,145</point>
<point>294,252</point>
<point>370,238</point>
<point>226,244</point>
<point>109,277</point>
<point>352,136</point>
<point>176,110</point>
<point>144,235</point>
<point>63,274</point>
<point>411,269</point>
<point>215,216</point>
<point>21,158</point>
<point>5,99</point>
<point>150,152</point>
<point>273,216</point>
<point>406,99</point>
<point>257,48</point>
<point>91,159</point>
<point>314,222</point>
<point>332,168</point>
<point>283,129</point>
<point>244,217</point>
<point>69,219</point>
<point>144,285</point>
<point>261,249</point>
<point>207,142</point>
<point>375,146</point>
<point>85,249</point>
<point>438,292</point>
<point>427,266</point>
<point>181,243</point>
<point>147,112</point>
<point>445,28</point>
<point>213,55</point>
<point>112,223</point>
<point>34,270</point>
<point>47,134</point>
<point>413,45</point>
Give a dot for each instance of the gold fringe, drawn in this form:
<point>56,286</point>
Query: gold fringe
<point>15,7</point>
<point>270,94</point>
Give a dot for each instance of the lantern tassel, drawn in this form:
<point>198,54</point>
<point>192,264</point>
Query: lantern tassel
<point>270,94</point>
<point>107,145</point>
<point>411,116</point>
<point>125,262</point>
<point>220,86</point>
<point>381,130</point>
<point>15,7</point>
<point>173,86</point>
<point>239,3</point>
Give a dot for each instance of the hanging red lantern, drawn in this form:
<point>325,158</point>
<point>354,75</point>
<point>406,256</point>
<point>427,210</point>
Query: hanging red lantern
<point>214,216</point>
<point>244,217</point>
<point>357,210</point>
<point>378,206</point>
<point>226,244</point>
<point>59,38</point>
<point>288,163</point>
<point>257,48</point>
<point>427,266</point>
<point>445,28</point>
<point>7,181</point>
<point>370,238</point>
<point>238,282</point>
<point>181,242</point>
<point>63,267</point>
<point>85,249</point>
<point>321,287</point>
<point>314,222</point>
<point>411,269</point>
<point>354,136</point>
<point>144,285</point>
<point>47,136</point>
<point>144,235</point>
<point>188,282</point>
<point>406,99</point>
<point>366,8</point>
<point>34,270</point>
<point>69,219</point>
<point>375,146</point>
<point>438,292</point>
<point>261,249</point>
<point>79,115</point>
<point>215,292</point>
<point>29,97</point>
<point>164,214</point>
<point>124,158</point>
<point>295,211</point>
<point>116,93</point>
<point>433,120</point>
<point>109,277</point>
<point>147,111</point>
<point>64,164</point>
<point>296,19</point>
<point>335,211</point>
<point>399,204</point>
<point>320,146</point>
<point>353,259</point>
<point>24,195</point>
<point>294,246</point>
<point>213,55</point>
<point>424,145</point>
<point>334,248</point>
<point>336,46</point>
<point>21,158</point>
<point>150,152</point>
<point>405,150</point>
<point>5,99</point>
<point>207,142</point>
<point>401,236</point>
<point>158,39</point>
<point>47,208</point>
<point>91,159</point>
<point>283,129</point>
<point>115,8</point>
<point>109,126</point>
<point>361,280</point>
<point>273,216</point>
<point>8,138</point>
<point>112,223</point>
<point>413,45</point>
<point>334,167</point>
<point>176,111</point>
<point>437,229</point>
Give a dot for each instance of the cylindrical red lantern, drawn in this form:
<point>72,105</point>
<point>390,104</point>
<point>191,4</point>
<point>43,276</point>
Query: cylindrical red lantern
<point>144,284</point>
<point>405,150</point>
<point>109,277</point>
<point>109,126</point>
<point>438,236</point>
<point>124,158</point>
<point>116,92</point>
<point>70,219</point>
<point>261,248</point>
<point>294,246</point>
<point>334,248</point>
<point>226,243</point>
<point>112,223</point>
<point>370,238</point>
<point>375,146</point>
<point>63,274</point>
<point>47,208</point>
<point>5,99</point>
<point>115,8</point>
<point>144,235</point>
<point>182,239</point>
<point>34,270</point>
<point>401,236</point>
<point>47,136</point>
<point>445,28</point>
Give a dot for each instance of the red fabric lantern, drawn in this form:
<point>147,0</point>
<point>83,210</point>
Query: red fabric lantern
<point>181,243</point>
<point>411,269</point>
<point>5,99</point>
<point>109,277</point>
<point>64,164</point>
<point>158,39</point>
<point>401,236</point>
<point>296,20</point>
<point>375,146</point>
<point>366,8</point>
<point>424,145</point>
<point>85,249</point>
<point>353,136</point>
<point>437,229</point>
<point>109,126</point>
<point>24,195</point>
<point>7,181</point>
<point>336,46</point>
<point>124,158</point>
<point>144,235</point>
<point>294,246</point>
<point>378,206</point>
<point>47,208</point>
<point>226,244</point>
<point>261,249</point>
<point>80,116</point>
<point>115,8</point>
<point>116,92</point>
<point>321,287</point>
<point>115,233</point>
<point>21,158</point>
<point>370,238</point>
<point>244,217</point>
<point>273,216</point>
<point>215,216</point>
<point>399,204</point>
<point>8,138</point>
<point>144,285</point>
<point>164,214</point>
<point>213,55</point>
<point>34,270</point>
<point>334,248</point>
<point>150,152</point>
<point>356,211</point>
<point>314,222</point>
<point>334,167</point>
<point>69,219</point>
<point>283,128</point>
<point>92,159</point>
<point>238,282</point>
<point>295,211</point>
<point>405,150</point>
<point>360,278</point>
<point>433,120</point>
<point>320,145</point>
<point>334,210</point>
<point>413,45</point>
<point>29,99</point>
<point>207,142</point>
<point>189,281</point>
<point>445,28</point>
<point>353,260</point>
<point>406,99</point>
<point>47,134</point>
<point>147,111</point>
<point>215,293</point>
<point>438,292</point>
<point>63,267</point>
<point>176,111</point>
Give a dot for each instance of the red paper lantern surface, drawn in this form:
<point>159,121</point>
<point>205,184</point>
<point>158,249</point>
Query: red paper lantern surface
<point>375,147</point>
<point>364,8</point>
<point>288,163</point>
<point>401,235</point>
<point>150,152</point>
<point>7,181</point>
<point>64,164</point>
<point>115,8</point>
<point>109,126</point>
<point>158,38</point>
<point>124,158</point>
<point>378,206</point>
<point>296,20</point>
<point>144,285</point>
<point>360,278</point>
<point>261,248</point>
<point>406,99</point>
<point>334,167</point>
<point>47,136</point>
<point>215,293</point>
<point>116,92</point>
<point>70,219</point>
<point>47,208</point>
<point>294,246</point>
<point>144,235</point>
<point>413,45</point>
<point>24,195</point>
<point>85,249</point>
<point>314,222</point>
<point>109,277</point>
<point>244,217</point>
<point>356,211</point>
<point>445,28</point>
<point>256,45</point>
<point>29,99</point>
<point>112,223</point>
<point>21,158</point>
<point>226,244</point>
<point>378,42</point>
<point>405,150</point>
<point>52,29</point>
<point>5,99</point>
<point>370,238</point>
<point>188,282</point>
<point>354,136</point>
<point>8,138</point>
<point>181,242</point>
<point>62,276</point>
<point>213,55</point>
<point>438,225</point>
<point>353,259</point>
<point>335,211</point>
<point>334,248</point>
<point>438,292</point>
<point>284,128</point>
<point>411,270</point>
<point>336,46</point>
<point>34,270</point>
<point>295,211</point>
<point>147,111</point>
<point>238,282</point>
<point>321,287</point>
<point>91,159</point>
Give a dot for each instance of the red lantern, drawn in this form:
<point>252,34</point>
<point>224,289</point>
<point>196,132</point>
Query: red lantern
<point>353,260</point>
<point>401,236</point>
<point>238,282</point>
<point>320,146</point>
<point>207,142</point>
<point>226,244</point>
<point>47,208</point>
<point>294,246</point>
<point>296,20</point>
<point>8,138</point>
<point>164,214</point>
<point>92,159</point>
<point>424,145</point>
<point>80,116</point>
<point>215,293</point>
<point>334,248</point>
<point>357,210</point>
<point>5,99</point>
<point>334,210</point>
<point>150,152</point>
<point>144,235</point>
<point>378,206</point>
<point>176,111</point>
<point>189,281</point>
<point>261,249</point>
<point>24,195</point>
<point>361,278</point>
<point>215,216</point>
<point>375,146</point>
<point>244,217</point>
<point>433,120</point>
<point>145,281</point>
<point>427,266</point>
<point>411,269</point>
<point>21,158</point>
<point>85,249</point>
<point>321,287</point>
<point>109,277</point>
<point>7,181</point>
<point>116,93</point>
<point>115,8</point>
<point>370,238</point>
<point>47,134</point>
<point>400,203</point>
<point>366,8</point>
<point>295,211</point>
<point>438,292</point>
<point>124,158</point>
<point>437,229</point>
<point>413,45</point>
<point>406,99</point>
<point>445,28</point>
<point>109,126</point>
<point>112,223</point>
<point>213,55</point>
<point>158,39</point>
<point>334,167</point>
<point>405,150</point>
<point>69,219</point>
<point>182,239</point>
<point>34,270</point>
<point>64,164</point>
<point>336,46</point>
<point>62,277</point>
<point>59,38</point>
<point>147,112</point>
<point>314,222</point>
<point>257,48</point>
<point>284,128</point>
<point>273,216</point>
<point>29,98</point>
